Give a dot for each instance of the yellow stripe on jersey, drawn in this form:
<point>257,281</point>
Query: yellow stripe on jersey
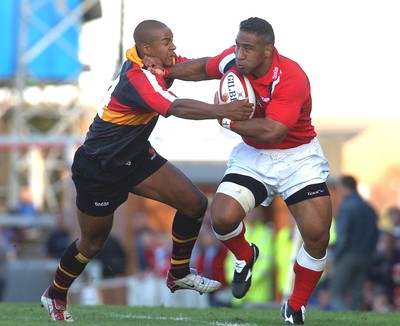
<point>127,119</point>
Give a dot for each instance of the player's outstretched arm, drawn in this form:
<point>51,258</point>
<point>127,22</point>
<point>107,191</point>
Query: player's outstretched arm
<point>191,70</point>
<point>197,110</point>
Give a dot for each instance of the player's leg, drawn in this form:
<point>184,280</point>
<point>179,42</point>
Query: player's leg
<point>99,193</point>
<point>94,232</point>
<point>170,186</point>
<point>313,217</point>
<point>303,172</point>
<point>236,196</point>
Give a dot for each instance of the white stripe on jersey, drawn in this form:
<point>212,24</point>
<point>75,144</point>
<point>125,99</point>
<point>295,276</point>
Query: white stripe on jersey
<point>156,86</point>
<point>107,97</point>
<point>152,80</point>
<point>225,61</point>
<point>275,82</point>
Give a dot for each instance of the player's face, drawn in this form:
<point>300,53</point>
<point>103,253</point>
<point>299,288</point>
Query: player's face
<point>253,56</point>
<point>163,47</point>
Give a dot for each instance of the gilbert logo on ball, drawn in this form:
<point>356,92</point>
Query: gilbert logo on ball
<point>237,87</point>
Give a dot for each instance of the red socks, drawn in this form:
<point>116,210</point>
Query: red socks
<point>308,271</point>
<point>236,243</point>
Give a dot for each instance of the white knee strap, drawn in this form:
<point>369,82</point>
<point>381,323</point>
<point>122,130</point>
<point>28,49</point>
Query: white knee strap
<point>243,195</point>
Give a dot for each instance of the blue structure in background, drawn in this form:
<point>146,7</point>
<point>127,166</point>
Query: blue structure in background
<point>8,45</point>
<point>58,59</point>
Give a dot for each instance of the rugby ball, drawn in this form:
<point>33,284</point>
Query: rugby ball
<point>237,87</point>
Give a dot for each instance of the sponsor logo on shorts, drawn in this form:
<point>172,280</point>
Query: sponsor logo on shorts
<point>152,152</point>
<point>317,192</point>
<point>102,204</point>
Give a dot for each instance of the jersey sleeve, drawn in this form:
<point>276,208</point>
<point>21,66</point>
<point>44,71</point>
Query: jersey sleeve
<point>179,59</point>
<point>221,63</point>
<point>149,91</point>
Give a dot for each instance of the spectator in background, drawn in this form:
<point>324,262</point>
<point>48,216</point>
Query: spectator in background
<point>113,258</point>
<point>384,259</point>
<point>26,209</point>
<point>395,293</point>
<point>396,299</point>
<point>357,236</point>
<point>381,303</point>
<point>396,274</point>
<point>141,232</point>
<point>3,265</point>
<point>152,248</point>
<point>394,217</point>
<point>25,206</point>
<point>57,240</point>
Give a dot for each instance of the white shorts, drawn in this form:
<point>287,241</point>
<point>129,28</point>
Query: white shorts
<point>283,172</point>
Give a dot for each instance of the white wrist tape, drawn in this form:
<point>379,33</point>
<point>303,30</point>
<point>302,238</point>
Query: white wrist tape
<point>227,123</point>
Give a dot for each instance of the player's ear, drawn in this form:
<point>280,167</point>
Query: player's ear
<point>269,50</point>
<point>145,49</point>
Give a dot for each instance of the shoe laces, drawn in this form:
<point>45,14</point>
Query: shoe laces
<point>239,265</point>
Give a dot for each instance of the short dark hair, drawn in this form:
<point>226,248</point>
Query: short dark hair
<point>145,32</point>
<point>260,27</point>
<point>349,182</point>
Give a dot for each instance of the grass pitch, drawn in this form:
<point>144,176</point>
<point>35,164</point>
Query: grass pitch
<point>15,314</point>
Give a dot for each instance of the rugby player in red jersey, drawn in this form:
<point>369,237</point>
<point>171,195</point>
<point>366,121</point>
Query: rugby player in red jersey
<point>279,155</point>
<point>117,158</point>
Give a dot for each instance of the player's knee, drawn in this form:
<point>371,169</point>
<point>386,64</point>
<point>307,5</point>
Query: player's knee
<point>92,247</point>
<point>223,222</point>
<point>317,242</point>
<point>197,206</point>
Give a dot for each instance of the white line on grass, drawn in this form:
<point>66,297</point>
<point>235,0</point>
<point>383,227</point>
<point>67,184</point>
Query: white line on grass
<point>144,317</point>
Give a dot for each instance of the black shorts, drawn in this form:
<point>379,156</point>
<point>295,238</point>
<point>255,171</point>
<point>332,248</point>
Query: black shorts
<point>98,192</point>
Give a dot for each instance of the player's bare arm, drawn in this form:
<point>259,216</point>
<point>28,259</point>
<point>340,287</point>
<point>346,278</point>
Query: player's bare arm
<point>191,70</point>
<point>196,110</point>
<point>261,130</point>
<point>258,130</point>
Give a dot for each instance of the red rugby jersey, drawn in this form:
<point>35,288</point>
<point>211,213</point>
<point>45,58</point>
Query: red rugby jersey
<point>283,94</point>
